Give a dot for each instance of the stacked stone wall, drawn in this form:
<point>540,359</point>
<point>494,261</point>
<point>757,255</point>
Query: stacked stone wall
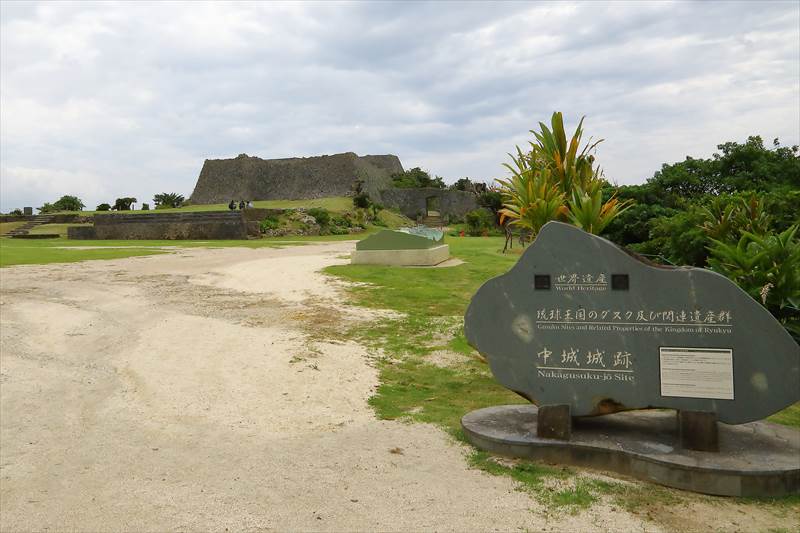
<point>253,178</point>
<point>413,202</point>
<point>55,219</point>
<point>212,225</point>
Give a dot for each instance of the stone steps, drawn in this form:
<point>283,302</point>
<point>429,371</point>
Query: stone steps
<point>38,220</point>
<point>432,221</point>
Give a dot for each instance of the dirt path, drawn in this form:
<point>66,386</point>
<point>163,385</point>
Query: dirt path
<point>179,392</point>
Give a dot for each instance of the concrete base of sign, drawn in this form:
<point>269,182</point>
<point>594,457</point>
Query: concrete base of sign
<point>758,459</point>
<point>554,422</point>
<point>421,257</point>
<point>698,431</point>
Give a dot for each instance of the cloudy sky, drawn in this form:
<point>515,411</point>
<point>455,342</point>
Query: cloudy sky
<point>104,100</point>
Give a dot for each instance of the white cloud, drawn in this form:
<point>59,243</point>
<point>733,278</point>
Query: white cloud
<point>127,99</point>
<point>32,184</point>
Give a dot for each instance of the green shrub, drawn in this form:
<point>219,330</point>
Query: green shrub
<point>168,199</point>
<point>145,207</point>
<point>462,184</point>
<point>633,226</point>
<point>361,200</point>
<point>358,218</point>
<point>337,230</point>
<point>491,200</point>
<point>269,223</point>
<point>17,212</point>
<point>737,170</point>
<point>767,267</point>
<point>683,236</point>
<point>65,203</point>
<point>341,221</point>
<point>103,207</point>
<point>415,178</point>
<point>782,206</point>
<point>728,216</point>
<point>680,237</point>
<point>124,204</point>
<point>321,215</point>
<point>68,203</point>
<point>479,222</point>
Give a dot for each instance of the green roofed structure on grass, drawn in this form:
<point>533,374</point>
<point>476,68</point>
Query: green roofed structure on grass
<point>418,238</point>
<point>407,247</point>
<point>424,231</point>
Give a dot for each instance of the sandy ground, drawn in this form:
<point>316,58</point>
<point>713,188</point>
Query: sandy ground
<point>181,392</point>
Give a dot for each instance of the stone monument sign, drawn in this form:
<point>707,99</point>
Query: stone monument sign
<point>579,322</point>
<point>419,246</point>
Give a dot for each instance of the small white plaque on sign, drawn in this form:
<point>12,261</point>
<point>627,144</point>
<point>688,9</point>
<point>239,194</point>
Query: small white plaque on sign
<point>697,373</point>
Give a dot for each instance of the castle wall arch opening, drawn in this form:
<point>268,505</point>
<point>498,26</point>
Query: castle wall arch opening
<point>432,206</point>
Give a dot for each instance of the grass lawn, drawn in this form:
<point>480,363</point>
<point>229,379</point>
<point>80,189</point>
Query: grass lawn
<point>412,388</point>
<point>60,229</point>
<point>24,251</point>
<point>39,252</point>
<point>788,417</point>
<point>61,250</point>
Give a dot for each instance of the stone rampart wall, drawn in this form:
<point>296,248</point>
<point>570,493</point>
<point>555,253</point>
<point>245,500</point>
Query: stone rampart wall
<point>413,202</point>
<point>56,219</point>
<point>81,233</point>
<point>212,225</point>
<point>253,178</point>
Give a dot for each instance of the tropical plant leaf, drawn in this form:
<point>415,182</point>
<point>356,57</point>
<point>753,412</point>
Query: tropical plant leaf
<point>554,181</point>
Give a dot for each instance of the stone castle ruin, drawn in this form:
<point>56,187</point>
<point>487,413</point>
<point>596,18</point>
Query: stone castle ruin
<point>300,178</point>
<point>296,178</point>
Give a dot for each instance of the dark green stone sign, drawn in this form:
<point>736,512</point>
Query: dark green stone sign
<point>578,321</point>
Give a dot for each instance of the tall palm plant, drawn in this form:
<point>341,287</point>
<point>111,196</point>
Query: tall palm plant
<point>532,199</point>
<point>588,211</point>
<point>168,199</point>
<point>557,180</point>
